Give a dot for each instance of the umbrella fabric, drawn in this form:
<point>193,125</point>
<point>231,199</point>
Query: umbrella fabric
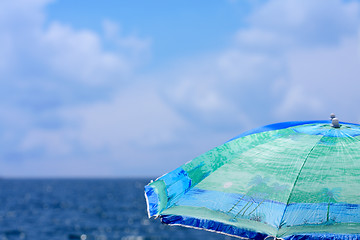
<point>293,180</point>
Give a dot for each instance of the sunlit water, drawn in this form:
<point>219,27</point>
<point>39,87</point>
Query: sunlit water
<point>83,209</point>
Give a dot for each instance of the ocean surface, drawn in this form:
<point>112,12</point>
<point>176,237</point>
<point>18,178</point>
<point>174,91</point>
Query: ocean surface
<point>84,209</point>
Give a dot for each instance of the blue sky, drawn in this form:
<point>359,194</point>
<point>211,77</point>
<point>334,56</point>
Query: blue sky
<point>137,88</point>
<point>175,29</point>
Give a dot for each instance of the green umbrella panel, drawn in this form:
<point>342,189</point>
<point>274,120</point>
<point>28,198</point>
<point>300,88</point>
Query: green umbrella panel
<point>292,180</point>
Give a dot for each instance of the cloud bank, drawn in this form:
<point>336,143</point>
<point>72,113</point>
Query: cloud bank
<point>73,101</point>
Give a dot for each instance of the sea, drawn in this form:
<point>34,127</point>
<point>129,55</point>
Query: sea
<point>84,209</point>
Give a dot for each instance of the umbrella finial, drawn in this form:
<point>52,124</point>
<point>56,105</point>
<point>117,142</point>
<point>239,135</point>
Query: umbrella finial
<point>332,116</point>
<point>335,123</point>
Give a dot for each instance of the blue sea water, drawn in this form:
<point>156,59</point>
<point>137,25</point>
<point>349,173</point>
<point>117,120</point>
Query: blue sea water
<point>84,209</point>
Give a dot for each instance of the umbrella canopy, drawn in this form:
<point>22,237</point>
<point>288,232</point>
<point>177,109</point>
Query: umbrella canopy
<point>292,180</point>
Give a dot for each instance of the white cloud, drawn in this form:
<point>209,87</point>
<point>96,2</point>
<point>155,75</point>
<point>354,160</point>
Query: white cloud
<point>297,102</point>
<point>79,55</point>
<point>307,22</point>
<point>286,65</point>
<point>22,14</point>
<point>261,39</point>
<point>127,135</point>
<point>136,116</point>
<point>113,32</point>
<point>59,51</point>
<point>51,142</point>
<point>327,78</point>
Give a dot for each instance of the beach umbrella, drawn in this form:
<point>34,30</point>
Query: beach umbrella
<point>292,180</point>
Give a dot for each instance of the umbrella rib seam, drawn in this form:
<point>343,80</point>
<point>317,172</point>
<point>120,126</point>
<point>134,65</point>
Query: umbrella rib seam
<point>297,177</point>
<point>231,159</point>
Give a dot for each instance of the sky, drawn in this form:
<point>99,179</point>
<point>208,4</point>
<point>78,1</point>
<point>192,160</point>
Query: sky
<point>137,88</point>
